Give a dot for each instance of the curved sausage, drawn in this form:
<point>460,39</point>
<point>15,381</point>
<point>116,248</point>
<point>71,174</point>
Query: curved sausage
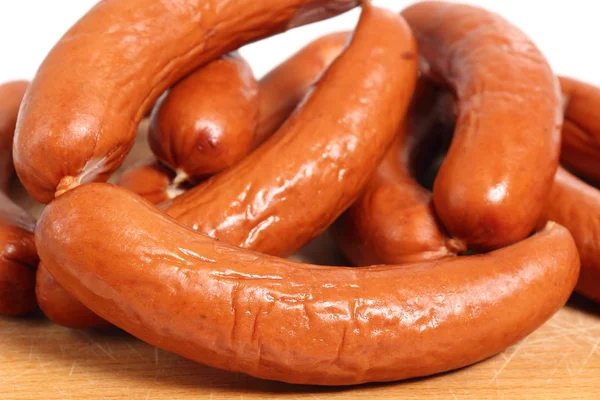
<point>60,306</point>
<point>266,199</point>
<point>242,311</point>
<point>577,205</point>
<point>508,129</point>
<point>581,129</point>
<point>206,122</point>
<point>297,183</point>
<point>282,89</point>
<point>393,221</point>
<point>80,115</point>
<point>18,256</point>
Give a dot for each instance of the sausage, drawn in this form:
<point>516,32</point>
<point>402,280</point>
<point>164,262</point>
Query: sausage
<point>581,129</point>
<point>80,115</point>
<point>282,89</point>
<point>271,318</point>
<point>60,306</point>
<point>297,183</point>
<point>577,205</point>
<point>508,129</point>
<point>151,180</point>
<point>18,256</point>
<point>206,122</point>
<point>277,221</point>
<point>393,222</point>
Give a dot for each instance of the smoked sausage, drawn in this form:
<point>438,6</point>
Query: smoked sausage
<point>498,172</point>
<point>581,129</point>
<point>18,256</point>
<point>266,200</point>
<point>206,122</point>
<point>576,204</point>
<point>243,311</point>
<point>79,117</point>
<point>393,222</point>
<point>297,183</point>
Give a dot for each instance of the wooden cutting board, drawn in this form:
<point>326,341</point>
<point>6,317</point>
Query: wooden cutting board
<point>39,360</point>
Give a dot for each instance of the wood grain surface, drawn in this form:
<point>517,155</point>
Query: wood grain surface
<point>39,360</point>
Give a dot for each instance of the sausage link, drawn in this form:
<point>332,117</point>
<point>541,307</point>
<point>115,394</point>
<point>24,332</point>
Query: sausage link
<point>18,256</point>
<point>206,122</point>
<point>80,115</point>
<point>393,221</point>
<point>577,205</point>
<point>276,221</point>
<point>508,129</point>
<point>581,129</point>
<point>240,310</point>
<point>297,183</point>
<point>282,89</point>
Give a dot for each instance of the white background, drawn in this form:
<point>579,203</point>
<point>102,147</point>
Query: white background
<point>566,31</point>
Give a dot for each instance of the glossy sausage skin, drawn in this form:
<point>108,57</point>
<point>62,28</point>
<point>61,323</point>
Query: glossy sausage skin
<point>581,129</point>
<point>18,256</point>
<point>285,86</point>
<point>206,122</point>
<point>498,172</point>
<point>393,221</point>
<point>243,311</point>
<point>80,115</point>
<point>297,183</point>
<point>577,205</point>
<point>60,306</point>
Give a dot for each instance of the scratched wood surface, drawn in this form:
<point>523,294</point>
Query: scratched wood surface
<point>39,360</point>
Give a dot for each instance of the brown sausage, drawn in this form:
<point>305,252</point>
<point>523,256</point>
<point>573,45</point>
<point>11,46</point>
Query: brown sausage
<point>60,306</point>
<point>393,221</point>
<point>297,183</point>
<point>285,86</point>
<point>248,202</point>
<point>80,115</point>
<point>581,129</point>
<point>206,122</point>
<point>18,256</point>
<point>280,91</point>
<point>577,205</point>
<point>239,310</point>
<point>508,129</point>
<point>151,180</point>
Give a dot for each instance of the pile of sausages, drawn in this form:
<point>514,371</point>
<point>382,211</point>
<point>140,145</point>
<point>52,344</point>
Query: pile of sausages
<point>184,253</point>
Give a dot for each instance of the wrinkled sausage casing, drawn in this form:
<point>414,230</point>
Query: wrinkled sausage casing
<point>498,172</point>
<point>206,122</point>
<point>271,318</point>
<point>297,183</point>
<point>79,118</point>
<point>354,147</point>
<point>18,256</point>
